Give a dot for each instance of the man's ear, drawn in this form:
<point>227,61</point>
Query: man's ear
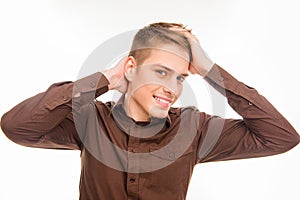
<point>130,68</point>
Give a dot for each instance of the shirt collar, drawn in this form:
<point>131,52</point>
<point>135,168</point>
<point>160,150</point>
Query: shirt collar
<point>120,106</point>
<point>138,129</point>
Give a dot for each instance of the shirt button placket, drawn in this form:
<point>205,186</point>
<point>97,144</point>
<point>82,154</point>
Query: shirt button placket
<point>133,164</point>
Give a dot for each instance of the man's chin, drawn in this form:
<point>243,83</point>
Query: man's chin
<point>158,112</point>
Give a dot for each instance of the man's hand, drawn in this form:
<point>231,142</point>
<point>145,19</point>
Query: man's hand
<point>201,63</point>
<point>116,76</point>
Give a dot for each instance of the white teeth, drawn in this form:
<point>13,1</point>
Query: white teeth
<point>161,100</point>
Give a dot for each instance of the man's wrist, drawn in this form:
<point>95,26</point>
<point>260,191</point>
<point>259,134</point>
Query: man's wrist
<point>110,76</point>
<point>207,66</point>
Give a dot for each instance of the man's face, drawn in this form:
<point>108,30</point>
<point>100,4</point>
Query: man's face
<point>157,82</point>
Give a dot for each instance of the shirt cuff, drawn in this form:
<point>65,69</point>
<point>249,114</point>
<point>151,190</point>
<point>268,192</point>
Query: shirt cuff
<point>96,82</point>
<point>85,90</point>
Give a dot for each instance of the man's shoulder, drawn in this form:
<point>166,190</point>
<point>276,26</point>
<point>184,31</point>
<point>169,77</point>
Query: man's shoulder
<point>188,112</point>
<point>183,111</point>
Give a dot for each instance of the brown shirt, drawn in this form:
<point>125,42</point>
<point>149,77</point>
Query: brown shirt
<point>124,159</point>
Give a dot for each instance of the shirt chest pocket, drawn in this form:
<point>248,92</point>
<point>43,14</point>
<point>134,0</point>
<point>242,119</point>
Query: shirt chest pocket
<point>171,169</point>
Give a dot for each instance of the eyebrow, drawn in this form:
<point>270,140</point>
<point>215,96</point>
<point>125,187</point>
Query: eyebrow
<point>170,70</point>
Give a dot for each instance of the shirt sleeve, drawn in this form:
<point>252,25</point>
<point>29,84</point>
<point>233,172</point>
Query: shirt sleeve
<point>262,131</point>
<point>46,120</point>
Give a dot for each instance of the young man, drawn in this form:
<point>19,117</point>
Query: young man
<point>140,147</point>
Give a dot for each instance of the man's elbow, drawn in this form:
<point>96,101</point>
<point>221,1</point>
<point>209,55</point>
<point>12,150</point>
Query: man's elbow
<point>9,128</point>
<point>290,142</point>
<point>295,140</point>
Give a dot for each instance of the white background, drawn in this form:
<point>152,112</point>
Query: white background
<point>45,42</point>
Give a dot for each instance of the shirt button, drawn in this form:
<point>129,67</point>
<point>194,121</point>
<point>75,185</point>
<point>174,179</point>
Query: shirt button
<point>65,98</point>
<point>132,180</point>
<point>172,155</point>
<point>250,104</point>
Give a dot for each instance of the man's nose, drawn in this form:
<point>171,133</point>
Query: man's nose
<point>171,87</point>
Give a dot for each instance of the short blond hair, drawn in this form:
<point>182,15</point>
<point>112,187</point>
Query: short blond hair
<point>155,35</point>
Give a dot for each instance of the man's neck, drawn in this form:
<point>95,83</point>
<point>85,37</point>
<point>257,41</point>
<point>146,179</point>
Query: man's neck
<point>133,110</point>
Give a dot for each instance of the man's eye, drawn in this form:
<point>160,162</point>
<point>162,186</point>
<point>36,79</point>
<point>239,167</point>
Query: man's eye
<point>161,72</point>
<point>180,78</point>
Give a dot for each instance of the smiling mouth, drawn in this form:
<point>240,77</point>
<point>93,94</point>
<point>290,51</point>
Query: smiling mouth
<point>164,102</point>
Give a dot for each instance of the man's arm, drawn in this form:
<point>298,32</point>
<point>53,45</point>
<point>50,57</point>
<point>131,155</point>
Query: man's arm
<point>46,120</point>
<point>263,131</point>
